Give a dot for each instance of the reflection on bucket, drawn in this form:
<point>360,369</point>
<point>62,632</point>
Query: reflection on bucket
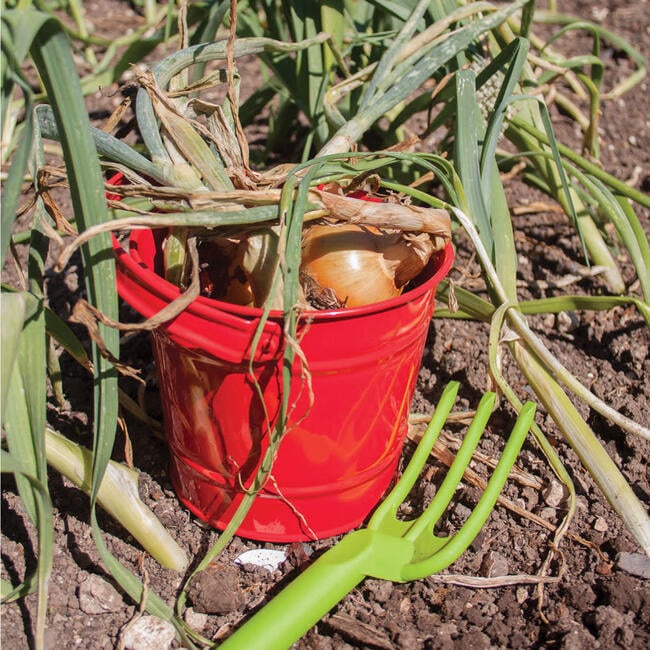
<point>339,454</point>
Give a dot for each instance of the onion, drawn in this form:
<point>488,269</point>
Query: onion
<point>362,265</point>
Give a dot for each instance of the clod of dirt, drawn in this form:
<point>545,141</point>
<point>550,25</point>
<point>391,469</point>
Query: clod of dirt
<point>576,636</point>
<point>217,590</point>
<point>612,627</point>
<point>379,590</point>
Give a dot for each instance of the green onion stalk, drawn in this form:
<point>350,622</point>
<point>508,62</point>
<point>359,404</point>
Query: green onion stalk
<point>196,178</point>
<point>530,131</point>
<point>118,496</point>
<point>30,33</point>
<point>544,375</point>
<point>484,214</point>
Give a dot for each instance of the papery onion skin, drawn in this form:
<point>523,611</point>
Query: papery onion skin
<point>357,263</point>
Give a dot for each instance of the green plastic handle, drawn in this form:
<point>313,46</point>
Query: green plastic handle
<point>304,601</point>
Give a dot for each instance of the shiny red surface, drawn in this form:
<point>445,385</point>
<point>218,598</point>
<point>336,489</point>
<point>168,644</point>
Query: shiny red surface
<point>338,457</point>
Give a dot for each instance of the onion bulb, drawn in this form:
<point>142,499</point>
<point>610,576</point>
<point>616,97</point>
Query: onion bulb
<point>362,265</point>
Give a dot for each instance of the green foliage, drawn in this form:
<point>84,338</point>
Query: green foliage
<point>30,32</point>
<point>341,81</point>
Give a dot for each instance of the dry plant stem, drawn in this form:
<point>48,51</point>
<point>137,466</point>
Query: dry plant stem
<point>475,582</point>
<point>203,197</point>
<point>167,313</point>
<point>382,215</point>
<point>409,218</point>
<point>152,104</point>
<point>519,475</point>
<point>461,417</point>
<point>232,99</point>
<point>184,144</point>
<point>197,54</point>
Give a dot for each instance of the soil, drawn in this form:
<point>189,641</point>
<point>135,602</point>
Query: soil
<point>593,595</point>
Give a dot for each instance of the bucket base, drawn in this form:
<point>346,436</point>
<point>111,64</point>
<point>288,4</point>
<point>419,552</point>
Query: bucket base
<point>295,515</point>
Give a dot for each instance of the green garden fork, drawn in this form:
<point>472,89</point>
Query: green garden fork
<point>388,548</point>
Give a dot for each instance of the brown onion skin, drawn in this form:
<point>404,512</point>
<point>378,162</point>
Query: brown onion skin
<point>357,263</point>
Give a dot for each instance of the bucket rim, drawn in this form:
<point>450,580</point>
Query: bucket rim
<point>132,262</point>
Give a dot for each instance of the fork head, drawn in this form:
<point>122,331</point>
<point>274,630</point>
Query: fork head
<point>430,553</point>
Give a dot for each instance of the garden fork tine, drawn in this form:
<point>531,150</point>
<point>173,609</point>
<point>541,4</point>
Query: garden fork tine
<point>389,548</point>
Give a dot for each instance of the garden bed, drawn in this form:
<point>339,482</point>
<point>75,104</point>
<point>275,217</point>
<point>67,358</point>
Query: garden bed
<point>592,596</point>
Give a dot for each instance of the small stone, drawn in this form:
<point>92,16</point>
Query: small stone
<point>196,620</point>
<point>635,564</point>
<point>494,565</point>
<point>521,595</point>
<point>600,13</point>
<point>566,321</point>
<point>553,494</point>
<point>601,525</point>
<point>269,559</point>
<point>96,596</point>
<point>148,632</point>
<point>405,606</point>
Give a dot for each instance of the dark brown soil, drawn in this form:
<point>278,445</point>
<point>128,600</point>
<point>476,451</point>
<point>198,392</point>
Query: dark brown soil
<point>592,598</point>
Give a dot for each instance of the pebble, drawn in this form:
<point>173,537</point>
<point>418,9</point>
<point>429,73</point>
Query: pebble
<point>601,525</point>
<point>266,558</point>
<point>196,620</point>
<point>494,565</point>
<point>521,595</point>
<point>636,564</point>
<point>96,596</point>
<point>148,632</point>
<point>553,494</point>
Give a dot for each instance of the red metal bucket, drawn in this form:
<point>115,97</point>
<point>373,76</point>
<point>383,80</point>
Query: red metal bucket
<point>338,458</point>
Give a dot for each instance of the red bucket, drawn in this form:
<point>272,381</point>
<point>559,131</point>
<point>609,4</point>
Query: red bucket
<point>337,459</point>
